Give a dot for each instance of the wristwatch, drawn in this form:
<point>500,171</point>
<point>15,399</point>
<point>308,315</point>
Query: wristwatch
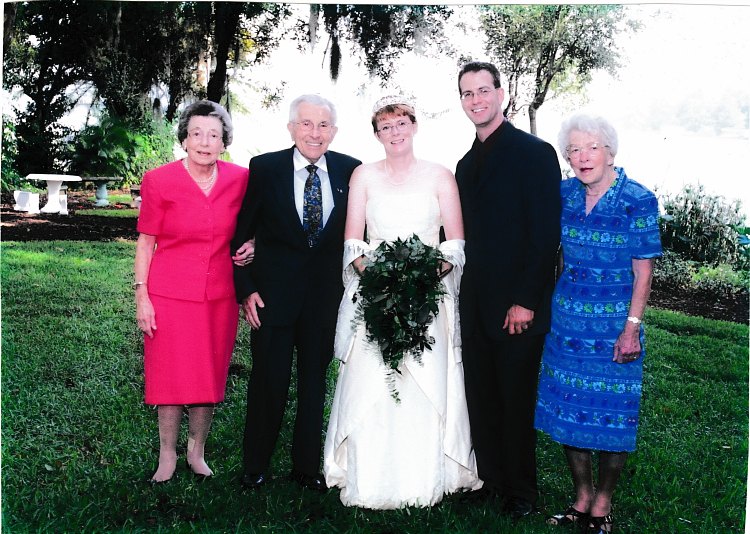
<point>634,320</point>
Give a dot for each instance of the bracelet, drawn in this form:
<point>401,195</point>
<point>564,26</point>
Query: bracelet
<point>136,284</point>
<point>634,320</point>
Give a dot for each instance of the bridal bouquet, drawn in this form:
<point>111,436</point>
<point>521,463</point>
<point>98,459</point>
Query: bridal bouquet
<point>399,293</point>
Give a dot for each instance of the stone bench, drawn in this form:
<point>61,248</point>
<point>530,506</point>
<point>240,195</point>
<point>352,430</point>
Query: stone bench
<point>55,204</point>
<point>26,201</point>
<point>135,194</point>
<point>102,196</point>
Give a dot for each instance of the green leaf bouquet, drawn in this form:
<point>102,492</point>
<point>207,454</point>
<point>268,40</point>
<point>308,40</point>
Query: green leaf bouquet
<point>399,292</point>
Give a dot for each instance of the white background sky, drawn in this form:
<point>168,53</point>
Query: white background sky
<point>686,53</point>
<point>683,52</point>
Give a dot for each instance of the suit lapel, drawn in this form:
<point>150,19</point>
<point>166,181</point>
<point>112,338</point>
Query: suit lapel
<point>339,190</point>
<point>338,185</point>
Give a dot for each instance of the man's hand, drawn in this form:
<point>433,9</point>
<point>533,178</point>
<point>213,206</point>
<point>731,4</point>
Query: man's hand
<point>245,253</point>
<point>518,319</point>
<point>250,309</point>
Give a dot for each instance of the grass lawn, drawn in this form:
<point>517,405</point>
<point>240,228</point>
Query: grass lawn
<point>78,443</point>
<point>110,212</point>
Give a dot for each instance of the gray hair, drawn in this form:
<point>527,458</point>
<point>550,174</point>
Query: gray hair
<point>315,100</point>
<point>597,126</point>
<point>205,108</point>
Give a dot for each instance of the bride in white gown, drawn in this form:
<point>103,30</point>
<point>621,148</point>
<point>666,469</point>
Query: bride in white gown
<point>384,454</point>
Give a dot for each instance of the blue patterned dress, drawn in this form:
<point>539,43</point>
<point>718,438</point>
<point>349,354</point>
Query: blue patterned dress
<point>585,399</point>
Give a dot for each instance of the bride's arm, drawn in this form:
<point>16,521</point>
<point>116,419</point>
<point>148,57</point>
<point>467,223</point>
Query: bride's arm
<point>450,211</point>
<point>355,212</point>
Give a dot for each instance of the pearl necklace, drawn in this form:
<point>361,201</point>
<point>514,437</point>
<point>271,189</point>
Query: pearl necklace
<point>208,183</point>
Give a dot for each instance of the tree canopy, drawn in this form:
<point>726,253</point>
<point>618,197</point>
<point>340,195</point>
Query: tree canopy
<point>126,55</point>
<point>549,50</point>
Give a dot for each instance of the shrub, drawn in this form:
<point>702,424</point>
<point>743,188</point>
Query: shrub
<point>116,148</point>
<point>673,272</point>
<point>703,227</point>
<point>720,280</point>
<point>10,179</point>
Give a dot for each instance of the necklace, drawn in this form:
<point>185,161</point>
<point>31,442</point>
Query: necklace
<point>205,185</point>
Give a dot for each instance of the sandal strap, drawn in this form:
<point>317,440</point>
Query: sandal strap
<point>570,515</point>
<point>597,522</point>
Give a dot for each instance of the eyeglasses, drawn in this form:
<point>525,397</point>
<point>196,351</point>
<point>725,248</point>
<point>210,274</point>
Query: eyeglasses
<point>482,92</point>
<point>309,126</point>
<point>575,151</point>
<point>399,126</point>
<point>211,136</point>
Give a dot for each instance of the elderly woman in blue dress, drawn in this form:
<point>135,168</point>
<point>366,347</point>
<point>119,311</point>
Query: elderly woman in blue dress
<point>592,366</point>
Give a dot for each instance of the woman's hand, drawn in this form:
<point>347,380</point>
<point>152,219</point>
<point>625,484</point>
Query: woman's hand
<point>628,344</point>
<point>444,268</point>
<point>144,312</point>
<point>359,264</point>
<point>245,254</point>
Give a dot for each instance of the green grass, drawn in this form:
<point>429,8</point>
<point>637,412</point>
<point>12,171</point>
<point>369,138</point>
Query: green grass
<point>109,212</point>
<point>77,441</point>
<point>114,198</point>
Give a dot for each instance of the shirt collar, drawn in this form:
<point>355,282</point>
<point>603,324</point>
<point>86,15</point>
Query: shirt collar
<point>300,162</point>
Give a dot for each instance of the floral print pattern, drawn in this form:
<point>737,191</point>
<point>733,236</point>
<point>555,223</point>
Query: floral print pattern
<point>585,399</point>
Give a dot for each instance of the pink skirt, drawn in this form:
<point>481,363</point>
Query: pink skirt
<point>187,360</point>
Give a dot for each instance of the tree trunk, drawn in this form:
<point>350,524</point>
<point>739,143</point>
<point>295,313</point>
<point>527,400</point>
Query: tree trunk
<point>10,9</point>
<point>532,119</point>
<point>227,20</point>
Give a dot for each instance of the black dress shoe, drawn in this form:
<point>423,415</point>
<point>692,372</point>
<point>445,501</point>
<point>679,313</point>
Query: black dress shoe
<point>253,481</point>
<point>313,482</point>
<point>480,496</point>
<point>517,508</point>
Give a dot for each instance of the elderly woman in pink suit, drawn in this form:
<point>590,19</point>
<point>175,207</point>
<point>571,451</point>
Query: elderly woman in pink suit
<point>185,303</point>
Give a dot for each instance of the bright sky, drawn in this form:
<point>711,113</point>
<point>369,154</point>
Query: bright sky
<point>685,53</point>
<point>690,53</point>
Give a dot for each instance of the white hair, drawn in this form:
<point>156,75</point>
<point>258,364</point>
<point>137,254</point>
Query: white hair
<point>593,125</point>
<point>315,100</point>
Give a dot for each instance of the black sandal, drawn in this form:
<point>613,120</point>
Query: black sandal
<point>570,516</point>
<point>597,524</point>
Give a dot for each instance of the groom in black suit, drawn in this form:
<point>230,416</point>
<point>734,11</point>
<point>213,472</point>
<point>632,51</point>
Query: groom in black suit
<point>509,184</point>
<point>295,209</point>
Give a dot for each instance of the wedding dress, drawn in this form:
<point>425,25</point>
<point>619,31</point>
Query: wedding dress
<point>384,454</point>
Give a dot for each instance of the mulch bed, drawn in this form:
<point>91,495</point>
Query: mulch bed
<point>18,226</point>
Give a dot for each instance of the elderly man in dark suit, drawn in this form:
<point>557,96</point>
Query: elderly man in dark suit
<point>295,209</point>
<point>509,184</point>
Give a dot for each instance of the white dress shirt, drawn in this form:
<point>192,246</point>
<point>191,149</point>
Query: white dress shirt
<point>300,177</point>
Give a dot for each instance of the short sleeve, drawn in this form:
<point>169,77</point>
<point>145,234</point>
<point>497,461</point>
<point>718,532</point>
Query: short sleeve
<point>644,240</point>
<point>152,210</point>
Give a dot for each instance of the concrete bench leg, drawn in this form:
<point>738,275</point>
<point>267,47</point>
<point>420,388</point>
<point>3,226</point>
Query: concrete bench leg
<point>53,197</point>
<point>102,197</point>
<point>26,201</point>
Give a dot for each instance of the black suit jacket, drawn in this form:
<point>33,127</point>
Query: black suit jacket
<point>510,198</point>
<point>286,270</point>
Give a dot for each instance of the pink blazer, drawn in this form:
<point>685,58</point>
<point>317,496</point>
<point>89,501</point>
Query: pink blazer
<point>192,260</point>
